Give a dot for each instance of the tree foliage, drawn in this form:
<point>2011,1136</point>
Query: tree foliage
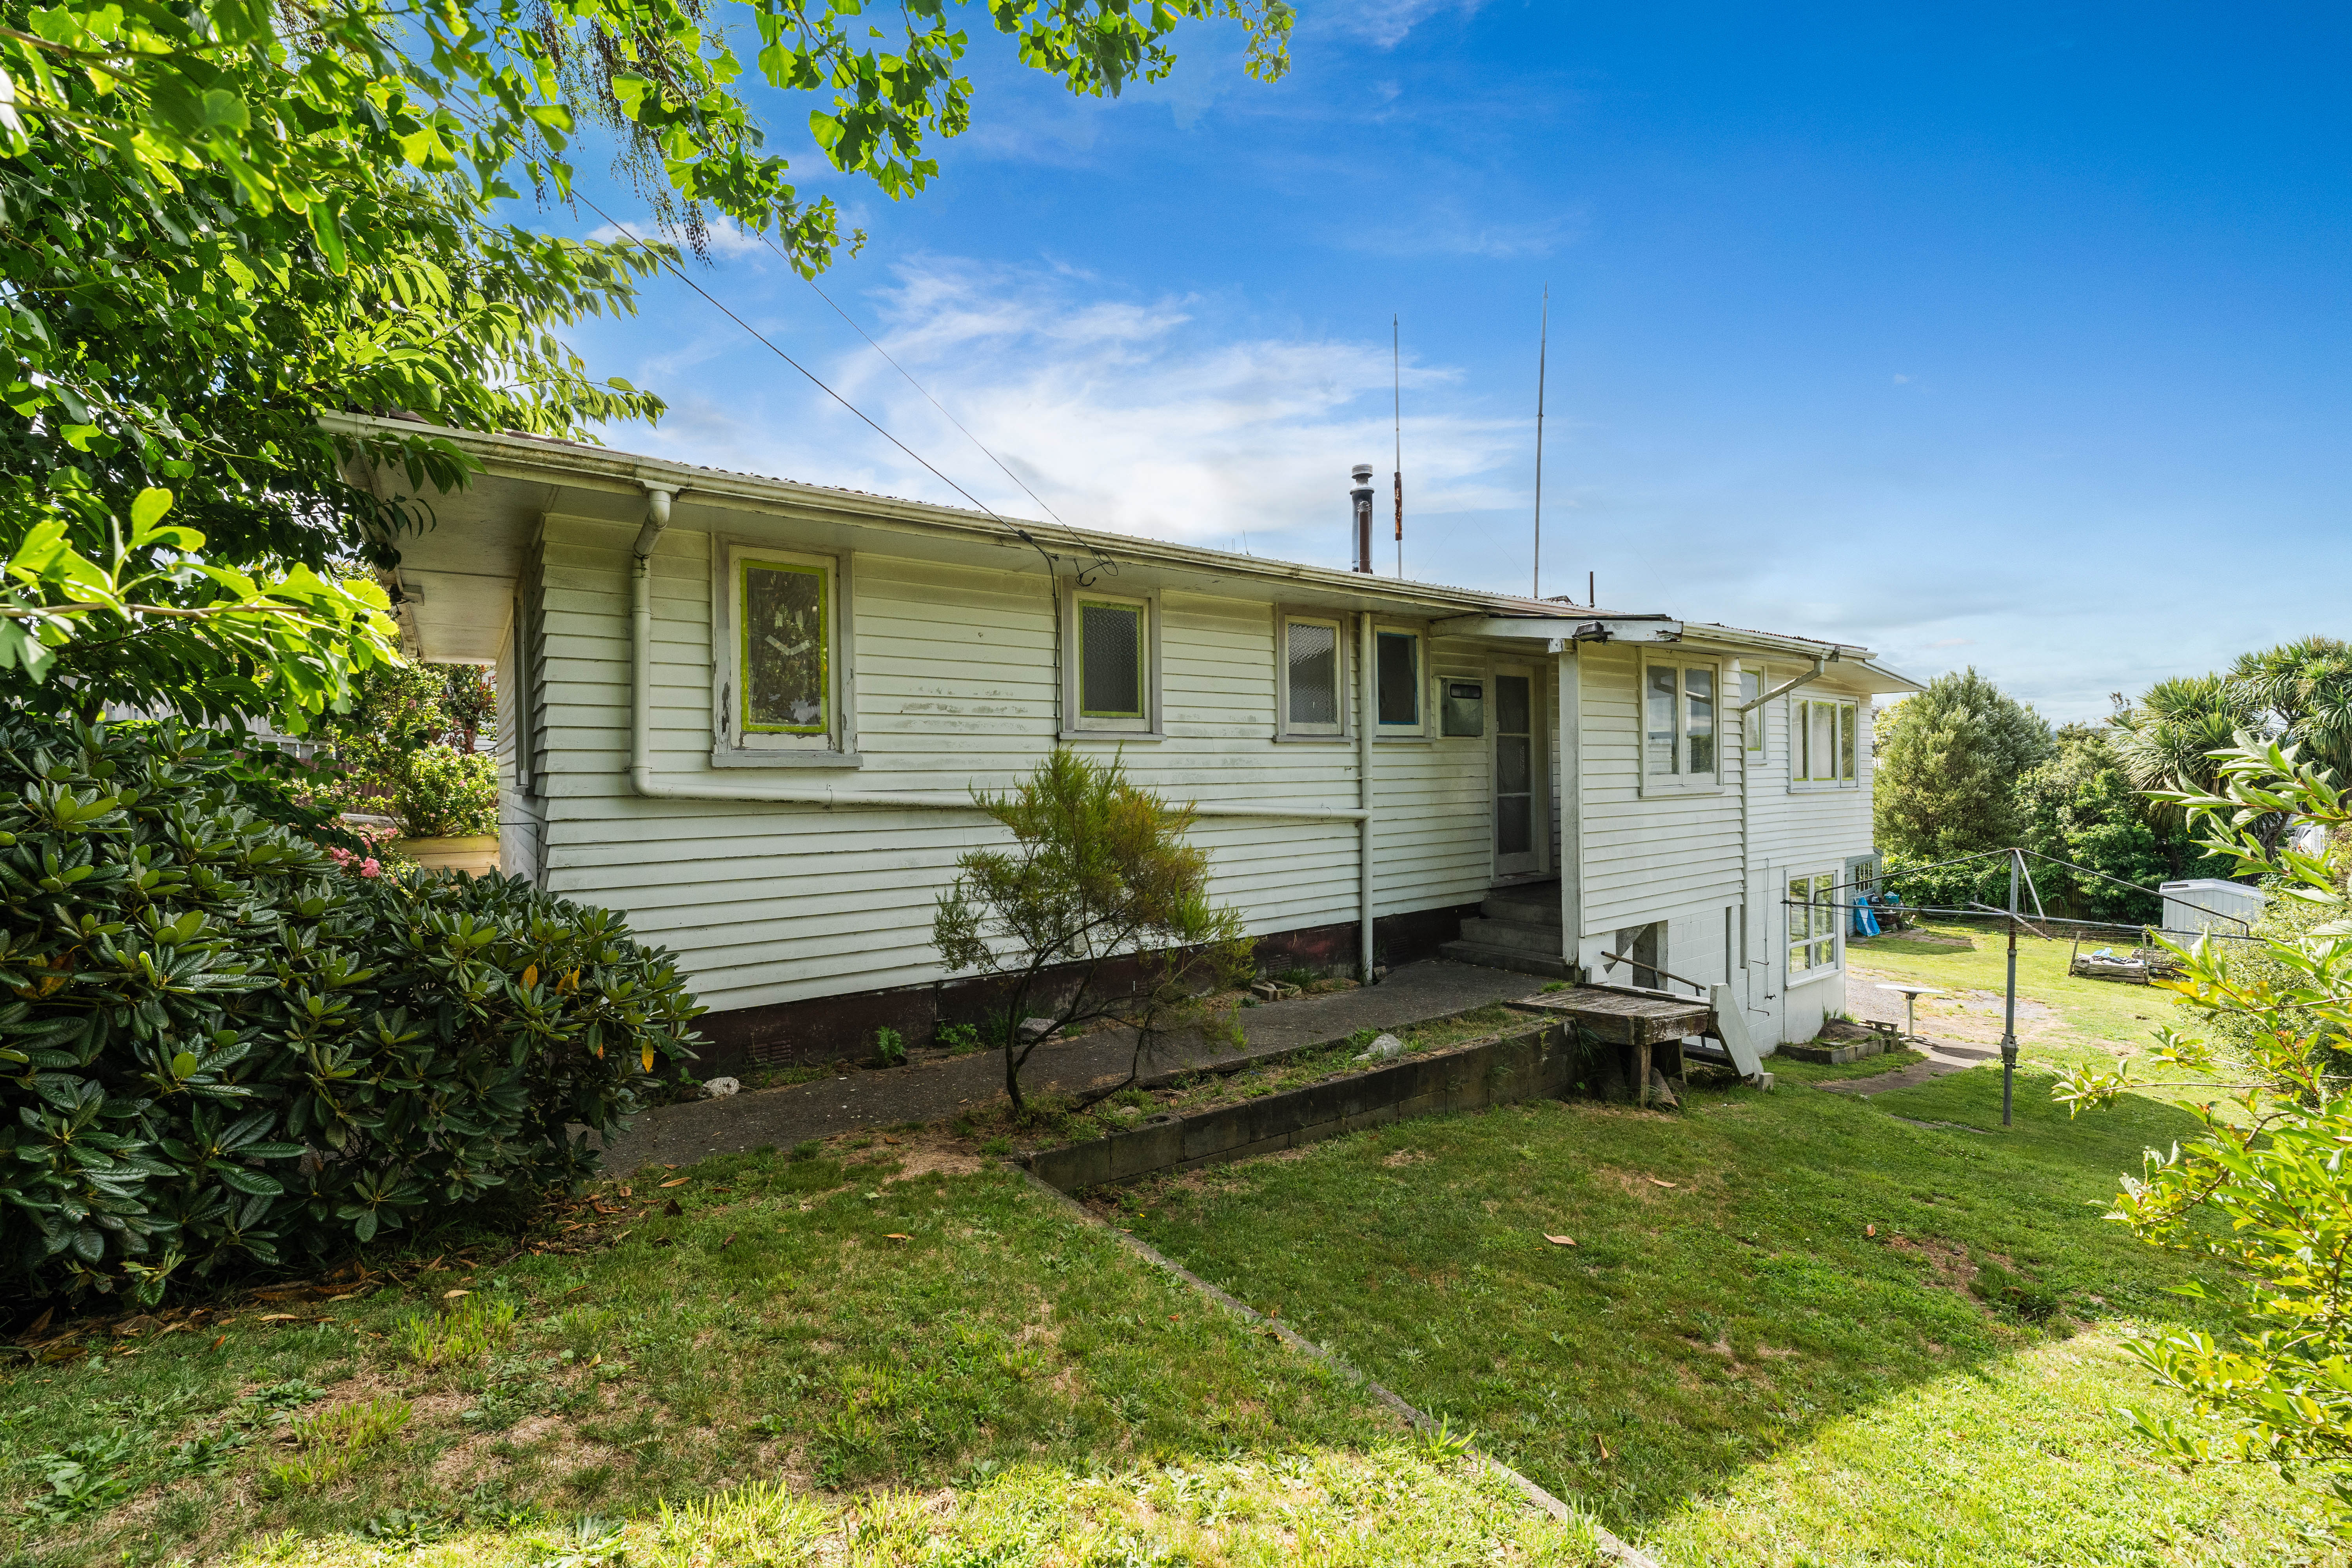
<point>2079,810</point>
<point>1099,878</point>
<point>217,1050</point>
<point>228,217</point>
<point>407,748</point>
<point>1947,763</point>
<point>2268,1163</point>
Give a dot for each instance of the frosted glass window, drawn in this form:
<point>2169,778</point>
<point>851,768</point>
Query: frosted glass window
<point>1313,650</point>
<point>1110,661</point>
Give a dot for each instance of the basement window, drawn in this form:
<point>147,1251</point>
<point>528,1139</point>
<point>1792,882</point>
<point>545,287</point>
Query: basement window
<point>1312,666</point>
<point>1813,925</point>
<point>1397,663</point>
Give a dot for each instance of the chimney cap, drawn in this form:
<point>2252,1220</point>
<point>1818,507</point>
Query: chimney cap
<point>1362,473</point>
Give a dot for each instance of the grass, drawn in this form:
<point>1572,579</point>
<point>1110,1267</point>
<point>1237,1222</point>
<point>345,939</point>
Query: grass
<point>852,1327</point>
<point>1792,1328</point>
<point>2073,1016</point>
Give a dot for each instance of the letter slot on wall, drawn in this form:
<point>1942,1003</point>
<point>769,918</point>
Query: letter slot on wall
<point>1463,710</point>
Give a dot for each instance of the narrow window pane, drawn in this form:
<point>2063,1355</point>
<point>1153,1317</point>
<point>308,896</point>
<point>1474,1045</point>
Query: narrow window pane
<point>1800,743</point>
<point>1801,923</point>
<point>1314,673</point>
<point>1846,716</point>
<point>1110,662</point>
<point>1822,751</point>
<point>1399,669</point>
<point>1752,687</point>
<point>1826,913</point>
<point>783,648</point>
<point>1661,704</point>
<point>1511,705</point>
<point>1699,690</point>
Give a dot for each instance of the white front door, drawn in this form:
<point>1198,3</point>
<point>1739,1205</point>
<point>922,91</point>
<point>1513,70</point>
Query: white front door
<point>1518,792</point>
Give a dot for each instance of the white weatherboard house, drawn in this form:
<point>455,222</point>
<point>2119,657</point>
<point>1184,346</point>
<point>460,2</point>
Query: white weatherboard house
<point>748,713</point>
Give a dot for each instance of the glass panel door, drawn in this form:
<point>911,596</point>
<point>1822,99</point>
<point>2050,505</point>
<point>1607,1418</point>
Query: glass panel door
<point>1515,852</point>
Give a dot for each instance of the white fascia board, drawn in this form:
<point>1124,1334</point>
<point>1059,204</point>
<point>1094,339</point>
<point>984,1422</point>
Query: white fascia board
<point>1556,629</point>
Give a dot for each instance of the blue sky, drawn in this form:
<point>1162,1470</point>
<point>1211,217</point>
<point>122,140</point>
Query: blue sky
<point>2012,337</point>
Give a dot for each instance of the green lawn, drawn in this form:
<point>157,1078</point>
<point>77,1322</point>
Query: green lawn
<point>1728,1365</point>
<point>927,1362</point>
<point>2068,1016</point>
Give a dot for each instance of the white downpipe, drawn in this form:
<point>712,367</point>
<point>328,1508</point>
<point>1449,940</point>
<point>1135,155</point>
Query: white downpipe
<point>641,744</point>
<point>1368,723</point>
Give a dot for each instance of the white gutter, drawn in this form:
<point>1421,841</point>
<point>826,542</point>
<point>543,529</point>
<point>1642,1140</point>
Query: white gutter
<point>1368,723</point>
<point>641,766</point>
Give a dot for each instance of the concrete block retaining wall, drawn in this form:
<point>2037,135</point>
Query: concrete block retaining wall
<point>1533,1063</point>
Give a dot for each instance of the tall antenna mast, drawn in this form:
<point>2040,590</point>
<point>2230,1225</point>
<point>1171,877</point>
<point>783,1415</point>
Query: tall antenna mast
<point>1396,369</point>
<point>1543,350</point>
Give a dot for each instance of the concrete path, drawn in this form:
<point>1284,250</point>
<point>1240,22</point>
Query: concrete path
<point>933,1091</point>
<point>1865,1001</point>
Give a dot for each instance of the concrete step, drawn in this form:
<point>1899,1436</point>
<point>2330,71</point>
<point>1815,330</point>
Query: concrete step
<point>1544,940</point>
<point>1523,911</point>
<point>1517,960</point>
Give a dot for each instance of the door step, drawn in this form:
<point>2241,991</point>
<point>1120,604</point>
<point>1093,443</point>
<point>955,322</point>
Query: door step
<point>1518,960</point>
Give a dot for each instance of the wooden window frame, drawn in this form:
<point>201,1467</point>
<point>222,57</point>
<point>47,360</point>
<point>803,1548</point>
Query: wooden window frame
<point>1680,782</point>
<point>1343,627</point>
<point>1810,911</point>
<point>1752,722</point>
<point>1079,726</point>
<point>1419,729</point>
<point>834,744</point>
<point>1849,757</point>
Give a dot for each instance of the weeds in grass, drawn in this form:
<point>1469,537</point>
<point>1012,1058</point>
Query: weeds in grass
<point>468,1333</point>
<point>334,1441</point>
<point>957,1039</point>
<point>86,1477</point>
<point>889,1046</point>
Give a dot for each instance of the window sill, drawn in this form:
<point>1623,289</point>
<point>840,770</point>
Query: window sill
<point>1810,975</point>
<point>1818,787</point>
<point>731,757</point>
<point>1149,735</point>
<point>1315,740</point>
<point>1404,739</point>
<point>1655,790</point>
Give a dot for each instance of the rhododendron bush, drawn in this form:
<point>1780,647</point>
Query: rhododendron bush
<point>220,1047</point>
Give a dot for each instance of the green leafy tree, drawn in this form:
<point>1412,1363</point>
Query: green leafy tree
<point>2263,1187</point>
<point>407,748</point>
<point>2306,688</point>
<point>1947,763</point>
<point>2080,808</point>
<point>228,218</point>
<point>2166,741</point>
<point>1099,911</point>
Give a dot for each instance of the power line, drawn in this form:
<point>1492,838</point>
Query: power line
<point>720,306</point>
<point>917,385</point>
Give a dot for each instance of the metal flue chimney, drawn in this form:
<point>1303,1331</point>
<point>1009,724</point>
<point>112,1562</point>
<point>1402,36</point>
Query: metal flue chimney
<point>1362,498</point>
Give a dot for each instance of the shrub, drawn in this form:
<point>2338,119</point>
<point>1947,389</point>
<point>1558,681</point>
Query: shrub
<point>220,1051</point>
<point>443,793</point>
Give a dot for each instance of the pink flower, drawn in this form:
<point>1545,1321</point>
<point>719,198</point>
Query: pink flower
<point>368,867</point>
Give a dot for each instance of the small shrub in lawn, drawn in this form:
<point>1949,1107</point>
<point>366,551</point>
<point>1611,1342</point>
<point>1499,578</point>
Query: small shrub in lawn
<point>90,1477</point>
<point>467,1332</point>
<point>217,1049</point>
<point>334,1441</point>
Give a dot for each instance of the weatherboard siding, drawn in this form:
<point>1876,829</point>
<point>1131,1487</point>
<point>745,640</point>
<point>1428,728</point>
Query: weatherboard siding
<point>955,687</point>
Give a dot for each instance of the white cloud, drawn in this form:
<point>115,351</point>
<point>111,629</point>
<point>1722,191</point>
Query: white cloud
<point>1123,415</point>
<point>1384,22</point>
<point>727,241</point>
